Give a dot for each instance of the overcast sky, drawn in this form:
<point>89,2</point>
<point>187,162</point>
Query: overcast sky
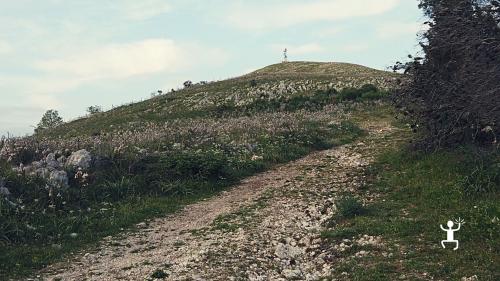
<point>70,54</point>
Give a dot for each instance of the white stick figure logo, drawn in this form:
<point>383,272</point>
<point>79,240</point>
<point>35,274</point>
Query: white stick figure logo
<point>450,232</point>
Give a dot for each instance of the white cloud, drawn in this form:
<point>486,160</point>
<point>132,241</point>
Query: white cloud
<point>328,32</point>
<point>396,29</point>
<point>5,48</point>
<point>68,72</point>
<point>297,50</point>
<point>287,14</point>
<point>144,9</point>
<point>44,101</point>
<point>119,60</point>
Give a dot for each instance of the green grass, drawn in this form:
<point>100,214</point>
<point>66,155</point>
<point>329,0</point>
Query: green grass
<point>240,218</point>
<point>311,101</point>
<point>21,259</point>
<point>420,191</point>
<point>365,93</point>
<point>131,191</point>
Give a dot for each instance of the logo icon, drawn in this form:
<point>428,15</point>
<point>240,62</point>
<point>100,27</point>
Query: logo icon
<point>450,232</point>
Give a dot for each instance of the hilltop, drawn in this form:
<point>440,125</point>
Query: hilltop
<point>346,72</point>
<point>284,80</point>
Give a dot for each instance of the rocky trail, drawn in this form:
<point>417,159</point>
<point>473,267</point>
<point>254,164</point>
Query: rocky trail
<point>266,228</point>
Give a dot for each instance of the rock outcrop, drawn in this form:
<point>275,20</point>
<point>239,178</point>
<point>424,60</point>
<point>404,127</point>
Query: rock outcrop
<point>79,159</point>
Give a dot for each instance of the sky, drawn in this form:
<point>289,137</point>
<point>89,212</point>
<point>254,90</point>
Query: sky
<point>70,54</point>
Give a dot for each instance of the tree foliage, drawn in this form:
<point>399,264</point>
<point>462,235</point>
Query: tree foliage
<point>453,94</point>
<point>50,119</point>
<point>94,109</point>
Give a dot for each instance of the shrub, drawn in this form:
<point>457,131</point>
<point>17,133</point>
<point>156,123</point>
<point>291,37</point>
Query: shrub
<point>453,91</point>
<point>349,94</point>
<point>94,109</point>
<point>203,165</point>
<point>159,274</point>
<point>366,92</point>
<point>368,88</point>
<point>349,206</point>
<point>374,95</point>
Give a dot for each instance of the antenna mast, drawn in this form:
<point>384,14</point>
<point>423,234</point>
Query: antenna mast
<point>285,55</point>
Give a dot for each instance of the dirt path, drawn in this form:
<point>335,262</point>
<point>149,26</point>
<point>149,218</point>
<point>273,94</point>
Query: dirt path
<point>266,228</point>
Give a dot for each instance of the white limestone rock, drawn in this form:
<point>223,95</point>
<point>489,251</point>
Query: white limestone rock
<point>80,159</point>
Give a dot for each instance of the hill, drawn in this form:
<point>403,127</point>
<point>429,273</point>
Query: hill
<point>295,171</point>
<point>280,81</point>
<point>95,176</point>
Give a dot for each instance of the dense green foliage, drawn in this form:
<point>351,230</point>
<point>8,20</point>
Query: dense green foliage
<point>50,120</point>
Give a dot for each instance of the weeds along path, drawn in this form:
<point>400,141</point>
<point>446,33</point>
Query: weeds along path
<point>266,228</point>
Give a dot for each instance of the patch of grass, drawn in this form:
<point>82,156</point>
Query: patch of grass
<point>159,274</point>
<point>482,179</point>
<point>420,191</point>
<point>366,93</point>
<point>347,132</point>
<point>350,207</point>
<point>376,271</point>
<point>338,233</point>
<point>21,259</point>
<point>240,218</point>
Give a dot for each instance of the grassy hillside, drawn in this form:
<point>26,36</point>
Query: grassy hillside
<point>417,192</point>
<point>276,82</point>
<point>153,157</point>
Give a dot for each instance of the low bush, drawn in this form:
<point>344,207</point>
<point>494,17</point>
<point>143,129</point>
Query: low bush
<point>349,207</point>
<point>366,93</point>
